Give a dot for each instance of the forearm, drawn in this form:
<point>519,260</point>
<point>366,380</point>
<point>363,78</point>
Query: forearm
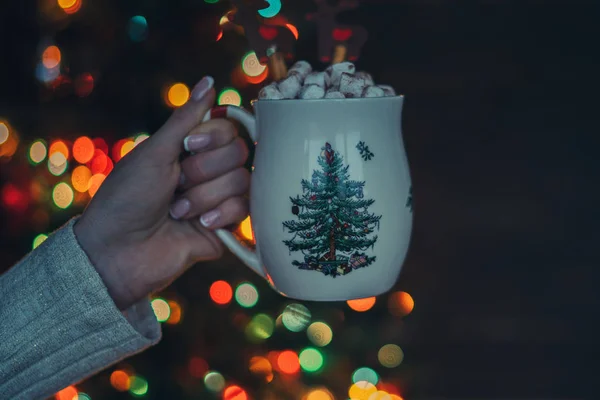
<point>59,325</point>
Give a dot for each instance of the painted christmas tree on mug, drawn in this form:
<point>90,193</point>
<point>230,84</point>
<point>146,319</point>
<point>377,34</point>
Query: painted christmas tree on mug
<point>334,225</point>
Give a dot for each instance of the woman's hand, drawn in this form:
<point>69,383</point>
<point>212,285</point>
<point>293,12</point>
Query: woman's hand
<point>137,235</point>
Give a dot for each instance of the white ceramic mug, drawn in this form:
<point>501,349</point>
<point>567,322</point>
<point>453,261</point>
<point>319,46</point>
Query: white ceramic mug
<point>330,199</point>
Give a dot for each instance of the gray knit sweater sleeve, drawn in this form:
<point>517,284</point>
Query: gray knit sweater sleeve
<point>59,325</point>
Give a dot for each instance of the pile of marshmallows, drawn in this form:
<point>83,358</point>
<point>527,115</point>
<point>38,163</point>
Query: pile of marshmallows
<point>338,81</point>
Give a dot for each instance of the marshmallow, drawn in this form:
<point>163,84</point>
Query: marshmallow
<point>351,86</point>
<point>312,92</point>
<point>366,76</point>
<point>300,68</point>
<point>270,92</point>
<point>335,71</point>
<point>334,94</point>
<point>388,90</point>
<point>316,78</point>
<point>290,86</point>
<point>373,91</point>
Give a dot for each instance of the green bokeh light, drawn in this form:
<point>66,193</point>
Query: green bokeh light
<point>138,28</point>
<point>365,374</point>
<point>82,396</point>
<point>138,386</point>
<point>260,328</point>
<point>214,381</point>
<point>272,10</point>
<point>211,1</point>
<point>246,295</point>
<point>39,239</point>
<point>296,317</point>
<point>311,360</point>
<point>229,96</point>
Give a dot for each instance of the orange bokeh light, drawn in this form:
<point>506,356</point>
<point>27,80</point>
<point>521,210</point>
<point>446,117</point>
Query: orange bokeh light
<point>362,305</point>
<point>68,393</point>
<point>293,29</point>
<point>51,58</point>
<point>400,304</point>
<point>175,316</point>
<point>259,78</point>
<point>177,95</point>
<point>246,229</point>
<point>95,183</point>
<point>221,292</point>
<point>80,178</point>
<point>120,380</point>
<point>58,146</point>
<point>234,392</point>
<point>83,149</point>
<point>288,362</point>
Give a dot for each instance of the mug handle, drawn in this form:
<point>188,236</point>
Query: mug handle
<point>248,257</point>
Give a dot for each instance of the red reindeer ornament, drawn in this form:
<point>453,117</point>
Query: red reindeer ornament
<point>341,41</point>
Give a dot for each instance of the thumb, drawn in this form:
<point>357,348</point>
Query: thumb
<point>167,142</point>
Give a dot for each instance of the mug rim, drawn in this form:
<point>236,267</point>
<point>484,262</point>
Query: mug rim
<point>323,100</point>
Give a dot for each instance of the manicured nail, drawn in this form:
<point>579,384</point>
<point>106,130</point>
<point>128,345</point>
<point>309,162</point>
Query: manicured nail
<point>202,88</point>
<point>210,218</point>
<point>196,142</point>
<point>180,208</point>
<point>181,179</point>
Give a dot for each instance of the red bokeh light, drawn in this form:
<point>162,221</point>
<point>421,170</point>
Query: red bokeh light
<point>288,362</point>
<point>83,149</point>
<point>84,84</point>
<point>197,367</point>
<point>221,292</point>
<point>14,199</point>
<point>234,392</point>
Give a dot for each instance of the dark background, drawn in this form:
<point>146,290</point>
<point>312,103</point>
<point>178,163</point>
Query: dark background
<point>501,134</point>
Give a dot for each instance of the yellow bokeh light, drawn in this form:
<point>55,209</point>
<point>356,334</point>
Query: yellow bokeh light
<point>177,95</point>
<point>51,57</point>
<point>3,133</point>
<point>161,309</point>
<point>246,228</point>
<point>380,395</point>
<point>37,152</point>
<point>396,397</point>
<point>319,394</point>
<point>95,182</point>
<point>390,355</point>
<point>361,390</point>
<point>80,178</point>
<point>66,3</point>
<point>127,147</point>
<point>63,195</point>
<point>319,333</point>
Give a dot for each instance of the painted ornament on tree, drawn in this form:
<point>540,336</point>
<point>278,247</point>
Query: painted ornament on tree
<point>334,228</point>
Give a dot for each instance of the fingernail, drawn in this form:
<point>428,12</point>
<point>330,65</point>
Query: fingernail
<point>210,218</point>
<point>196,142</point>
<point>202,87</point>
<point>181,179</point>
<point>180,208</point>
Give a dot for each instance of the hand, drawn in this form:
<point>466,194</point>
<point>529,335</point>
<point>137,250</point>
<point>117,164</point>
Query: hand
<point>137,235</point>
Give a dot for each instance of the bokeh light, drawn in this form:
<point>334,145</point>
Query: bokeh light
<point>68,393</point>
<point>140,138</point>
<point>100,163</point>
<point>296,317</point>
<point>80,178</point>
<point>251,66</point>
<point>58,146</point>
<point>127,147</point>
<point>37,151</point>
<point>57,164</point>
<point>221,292</point>
<point>51,57</point>
<point>176,313</point>
<point>39,239</point>
<point>14,198</point>
<point>83,149</point>
<point>261,366</point>
<point>246,295</point>
<point>319,333</point>
<point>390,355</point>
<point>197,367</point>
<point>84,84</point>
<point>260,328</point>
<point>62,195</point>
<point>400,304</point>
<point>82,396</point>
<point>4,132</point>
<point>319,394</point>
<point>365,374</point>
<point>272,10</point>
<point>288,362</point>
<point>138,28</point>
<point>294,30</point>
<point>120,380</point>
<point>362,305</point>
<point>246,229</point>
<point>161,309</point>
<point>234,392</point>
<point>361,390</point>
<point>138,386</point>
<point>311,360</point>
<point>177,95</point>
<point>69,6</point>
<point>229,96</point>
<point>380,395</point>
<point>214,381</point>
<point>95,183</point>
